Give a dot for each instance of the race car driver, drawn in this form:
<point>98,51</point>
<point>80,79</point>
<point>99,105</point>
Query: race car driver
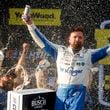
<point>74,64</point>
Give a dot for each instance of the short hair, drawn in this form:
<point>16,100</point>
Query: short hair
<point>10,72</point>
<point>74,29</point>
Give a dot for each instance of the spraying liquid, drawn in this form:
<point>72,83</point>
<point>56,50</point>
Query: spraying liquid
<point>1,58</point>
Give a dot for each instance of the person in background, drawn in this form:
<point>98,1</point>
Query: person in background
<point>45,75</point>
<point>39,79</point>
<point>6,84</point>
<point>73,64</point>
<point>23,80</point>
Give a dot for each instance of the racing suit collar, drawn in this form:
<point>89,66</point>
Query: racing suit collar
<point>71,50</point>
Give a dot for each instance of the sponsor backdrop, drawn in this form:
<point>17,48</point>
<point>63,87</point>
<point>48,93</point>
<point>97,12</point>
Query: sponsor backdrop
<point>39,16</point>
<point>102,37</point>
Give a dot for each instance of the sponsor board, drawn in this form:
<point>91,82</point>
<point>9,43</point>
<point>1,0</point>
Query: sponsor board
<point>49,17</point>
<point>102,37</point>
<point>107,82</point>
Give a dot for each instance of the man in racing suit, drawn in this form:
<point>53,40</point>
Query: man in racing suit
<point>73,65</point>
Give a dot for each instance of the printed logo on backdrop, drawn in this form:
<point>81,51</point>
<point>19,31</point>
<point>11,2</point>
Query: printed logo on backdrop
<point>38,102</point>
<point>102,37</point>
<point>107,82</point>
<point>39,16</point>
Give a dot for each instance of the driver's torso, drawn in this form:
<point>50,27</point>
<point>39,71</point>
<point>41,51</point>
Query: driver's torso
<point>73,68</point>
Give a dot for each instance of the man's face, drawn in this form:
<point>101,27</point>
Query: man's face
<point>76,40</point>
<point>8,82</point>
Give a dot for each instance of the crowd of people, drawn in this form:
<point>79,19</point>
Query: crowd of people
<point>19,76</point>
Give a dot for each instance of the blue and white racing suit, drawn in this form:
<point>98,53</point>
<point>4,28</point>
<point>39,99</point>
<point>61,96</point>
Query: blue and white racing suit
<point>73,70</point>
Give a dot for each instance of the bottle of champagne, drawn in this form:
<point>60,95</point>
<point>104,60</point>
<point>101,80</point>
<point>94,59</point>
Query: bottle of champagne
<point>26,12</point>
<point>1,58</point>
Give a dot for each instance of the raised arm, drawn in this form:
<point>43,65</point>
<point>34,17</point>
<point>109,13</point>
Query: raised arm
<point>100,54</point>
<point>38,37</point>
<point>22,58</point>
